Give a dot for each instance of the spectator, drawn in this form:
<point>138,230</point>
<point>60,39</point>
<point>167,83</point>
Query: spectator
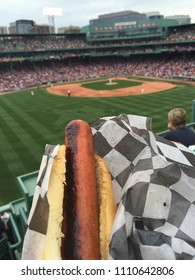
<point>3,227</point>
<point>178,130</point>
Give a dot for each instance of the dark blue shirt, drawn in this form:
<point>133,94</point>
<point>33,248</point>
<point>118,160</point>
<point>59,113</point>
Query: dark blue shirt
<point>184,135</point>
<point>2,228</point>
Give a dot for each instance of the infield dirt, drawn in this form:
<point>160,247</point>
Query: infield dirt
<point>77,90</point>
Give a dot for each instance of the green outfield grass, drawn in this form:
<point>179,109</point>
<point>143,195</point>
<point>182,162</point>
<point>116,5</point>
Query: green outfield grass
<point>28,123</point>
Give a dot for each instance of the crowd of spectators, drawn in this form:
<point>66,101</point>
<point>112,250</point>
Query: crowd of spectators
<point>51,42</point>
<point>27,74</point>
<point>40,43</point>
<point>120,50</point>
<point>184,34</point>
<point>35,60</point>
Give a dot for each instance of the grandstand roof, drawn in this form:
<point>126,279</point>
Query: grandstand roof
<point>122,13</point>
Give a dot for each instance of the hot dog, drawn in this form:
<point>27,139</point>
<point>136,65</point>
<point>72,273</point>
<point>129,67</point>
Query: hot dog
<point>82,206</point>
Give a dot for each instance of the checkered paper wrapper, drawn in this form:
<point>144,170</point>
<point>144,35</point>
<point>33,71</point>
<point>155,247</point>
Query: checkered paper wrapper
<point>34,239</point>
<point>154,187</point>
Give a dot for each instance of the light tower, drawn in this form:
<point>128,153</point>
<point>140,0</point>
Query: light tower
<point>51,13</point>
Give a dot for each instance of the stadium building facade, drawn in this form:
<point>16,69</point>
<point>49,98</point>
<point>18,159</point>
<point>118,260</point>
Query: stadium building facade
<point>131,24</point>
<point>28,27</point>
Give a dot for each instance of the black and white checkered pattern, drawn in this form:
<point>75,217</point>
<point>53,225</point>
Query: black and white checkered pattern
<point>154,185</point>
<point>38,217</point>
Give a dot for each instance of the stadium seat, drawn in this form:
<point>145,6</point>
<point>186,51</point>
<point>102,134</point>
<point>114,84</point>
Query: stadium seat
<point>27,185</point>
<point>14,238</point>
<point>16,205</point>
<point>5,251</point>
<point>23,222</point>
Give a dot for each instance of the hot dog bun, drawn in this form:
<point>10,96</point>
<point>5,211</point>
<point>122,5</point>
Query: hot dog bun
<point>60,222</point>
<point>107,205</point>
<point>55,196</point>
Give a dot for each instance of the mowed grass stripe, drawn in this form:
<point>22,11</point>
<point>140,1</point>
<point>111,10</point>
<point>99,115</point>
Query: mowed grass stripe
<point>13,160</point>
<point>126,105</point>
<point>19,136</point>
<point>10,152</point>
<point>40,132</point>
<point>116,102</point>
<point>8,188</point>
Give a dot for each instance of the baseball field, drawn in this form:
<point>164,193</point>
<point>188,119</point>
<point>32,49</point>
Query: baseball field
<point>28,122</point>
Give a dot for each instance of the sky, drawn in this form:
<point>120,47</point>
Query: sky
<point>79,12</point>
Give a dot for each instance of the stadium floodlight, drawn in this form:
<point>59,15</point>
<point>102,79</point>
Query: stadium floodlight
<point>51,13</point>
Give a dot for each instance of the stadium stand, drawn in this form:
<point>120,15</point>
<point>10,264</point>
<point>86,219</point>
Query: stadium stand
<point>29,60</point>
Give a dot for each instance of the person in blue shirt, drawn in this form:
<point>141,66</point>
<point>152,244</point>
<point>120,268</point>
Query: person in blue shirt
<point>3,227</point>
<point>178,132</point>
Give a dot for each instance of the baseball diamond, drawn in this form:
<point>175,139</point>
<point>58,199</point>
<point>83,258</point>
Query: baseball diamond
<point>79,89</point>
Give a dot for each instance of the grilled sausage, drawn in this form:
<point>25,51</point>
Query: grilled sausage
<point>81,233</point>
